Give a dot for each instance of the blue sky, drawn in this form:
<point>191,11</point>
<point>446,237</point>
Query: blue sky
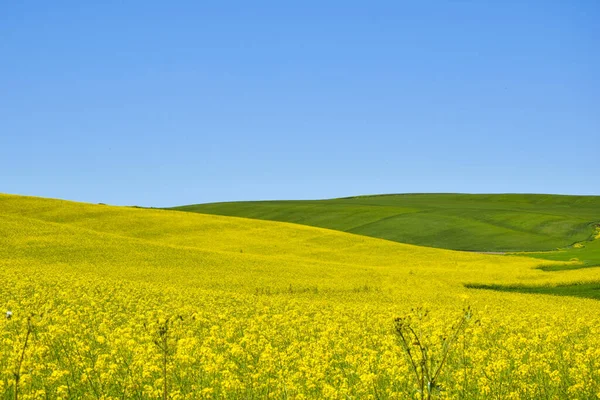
<point>160,103</point>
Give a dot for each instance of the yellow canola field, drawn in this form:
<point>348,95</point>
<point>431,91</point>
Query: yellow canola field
<point>113,302</point>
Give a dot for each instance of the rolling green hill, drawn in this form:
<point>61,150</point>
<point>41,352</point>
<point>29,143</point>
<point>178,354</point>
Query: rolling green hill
<point>489,222</point>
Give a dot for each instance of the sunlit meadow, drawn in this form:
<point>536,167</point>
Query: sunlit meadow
<point>122,303</point>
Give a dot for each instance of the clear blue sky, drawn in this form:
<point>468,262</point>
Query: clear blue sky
<point>161,103</point>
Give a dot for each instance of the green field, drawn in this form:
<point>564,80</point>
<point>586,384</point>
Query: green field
<point>586,253</point>
<point>495,222</point>
<point>585,290</point>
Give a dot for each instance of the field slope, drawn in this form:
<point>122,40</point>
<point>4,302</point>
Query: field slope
<point>117,302</point>
<point>495,222</point>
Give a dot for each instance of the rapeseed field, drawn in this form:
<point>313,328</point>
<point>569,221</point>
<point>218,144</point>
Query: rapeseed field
<point>107,302</point>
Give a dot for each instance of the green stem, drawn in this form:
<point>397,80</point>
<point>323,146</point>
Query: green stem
<point>17,372</point>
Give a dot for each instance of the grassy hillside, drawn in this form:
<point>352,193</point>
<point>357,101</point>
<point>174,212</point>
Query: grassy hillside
<point>586,254</point>
<point>46,231</point>
<point>510,222</point>
<point>115,302</point>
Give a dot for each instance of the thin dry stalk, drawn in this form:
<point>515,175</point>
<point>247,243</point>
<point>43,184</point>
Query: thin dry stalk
<point>425,372</point>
